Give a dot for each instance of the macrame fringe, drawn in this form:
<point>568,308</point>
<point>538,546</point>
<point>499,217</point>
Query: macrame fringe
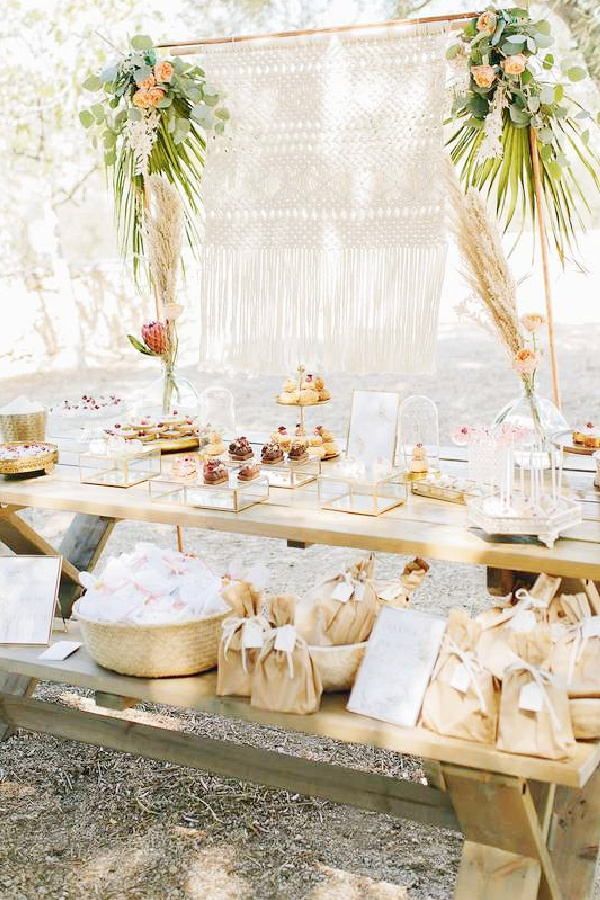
<point>262,310</point>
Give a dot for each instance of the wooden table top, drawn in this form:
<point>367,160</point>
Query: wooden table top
<point>333,720</point>
<point>430,528</point>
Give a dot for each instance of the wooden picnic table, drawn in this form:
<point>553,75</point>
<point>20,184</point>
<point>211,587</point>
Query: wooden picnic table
<point>531,826</point>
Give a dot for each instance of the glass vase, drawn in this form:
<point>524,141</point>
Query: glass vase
<point>172,394</point>
<point>534,414</point>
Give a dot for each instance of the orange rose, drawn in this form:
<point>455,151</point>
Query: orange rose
<point>526,361</point>
<point>146,83</point>
<point>483,76</point>
<point>515,65</point>
<point>531,322</point>
<point>141,99</point>
<point>163,70</point>
<point>155,95</point>
<point>487,22</point>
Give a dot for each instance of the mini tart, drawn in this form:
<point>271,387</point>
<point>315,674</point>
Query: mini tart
<point>271,455</point>
<point>324,394</point>
<point>289,385</point>
<point>186,468</point>
<point>170,434</point>
<point>214,449</point>
<point>240,450</point>
<point>298,453</point>
<point>282,438</point>
<point>249,473</point>
<point>330,449</point>
<point>315,440</point>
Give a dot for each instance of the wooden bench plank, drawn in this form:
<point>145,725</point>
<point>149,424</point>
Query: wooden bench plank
<point>380,793</point>
<point>333,720</point>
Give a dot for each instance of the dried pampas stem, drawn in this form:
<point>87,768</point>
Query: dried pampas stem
<point>164,228</point>
<point>486,268</point>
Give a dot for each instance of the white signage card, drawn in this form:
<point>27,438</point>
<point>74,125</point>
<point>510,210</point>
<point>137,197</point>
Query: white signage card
<point>60,650</point>
<point>398,663</point>
<point>28,598</point>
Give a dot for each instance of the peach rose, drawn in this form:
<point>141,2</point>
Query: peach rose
<point>163,70</point>
<point>146,83</point>
<point>515,65</point>
<point>155,95</point>
<point>141,99</point>
<point>487,21</point>
<point>531,322</point>
<point>483,76</point>
<point>526,361</point>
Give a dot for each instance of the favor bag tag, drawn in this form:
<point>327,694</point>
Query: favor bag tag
<point>461,679</point>
<point>391,593</point>
<point>252,636</point>
<point>285,639</point>
<point>523,621</point>
<point>342,592</point>
<point>359,591</point>
<point>531,697</point>
<point>591,627</point>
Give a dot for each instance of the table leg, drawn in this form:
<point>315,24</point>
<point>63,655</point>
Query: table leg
<point>504,855</point>
<point>575,837</point>
<point>82,545</point>
<point>19,686</point>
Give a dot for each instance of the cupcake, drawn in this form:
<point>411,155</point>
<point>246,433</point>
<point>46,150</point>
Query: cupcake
<point>282,437</point>
<point>308,396</point>
<point>271,454</point>
<point>240,450</point>
<point>214,472</point>
<point>249,472</point>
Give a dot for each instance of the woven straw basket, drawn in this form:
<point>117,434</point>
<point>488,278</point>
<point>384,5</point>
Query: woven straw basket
<point>23,426</point>
<point>338,665</point>
<point>154,651</point>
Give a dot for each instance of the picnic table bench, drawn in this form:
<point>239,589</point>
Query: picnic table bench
<point>531,826</point>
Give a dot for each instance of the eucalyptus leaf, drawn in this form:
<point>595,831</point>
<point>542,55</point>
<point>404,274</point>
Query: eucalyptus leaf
<point>517,38</point>
<point>108,74</point>
<point>543,40</point>
<point>86,118</point>
<point>548,61</point>
<point>165,103</point>
<point>452,51</point>
<point>110,158</point>
<point>142,73</point>
<point>222,113</point>
<point>518,116</point>
<point>546,152</point>
<point>92,83</point>
<point>142,42</point>
<point>134,114</point>
<point>543,26</point>
<point>576,73</point>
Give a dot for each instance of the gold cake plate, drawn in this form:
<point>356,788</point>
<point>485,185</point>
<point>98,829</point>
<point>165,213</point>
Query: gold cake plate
<point>300,403</point>
<point>26,465</point>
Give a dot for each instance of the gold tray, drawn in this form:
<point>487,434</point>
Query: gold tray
<point>300,403</point>
<point>43,462</point>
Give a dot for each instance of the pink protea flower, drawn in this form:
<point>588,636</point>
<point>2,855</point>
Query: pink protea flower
<point>154,335</point>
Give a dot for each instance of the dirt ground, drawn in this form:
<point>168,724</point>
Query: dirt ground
<point>78,821</point>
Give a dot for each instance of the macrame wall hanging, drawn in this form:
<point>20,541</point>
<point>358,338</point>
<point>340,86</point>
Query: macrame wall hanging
<point>324,233</point>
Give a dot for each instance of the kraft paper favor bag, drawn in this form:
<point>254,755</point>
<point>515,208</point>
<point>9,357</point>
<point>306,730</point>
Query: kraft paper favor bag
<point>535,719</point>
<point>509,617</point>
<point>461,700</point>
<point>576,656</point>
<point>242,638</point>
<point>285,678</point>
<point>343,609</point>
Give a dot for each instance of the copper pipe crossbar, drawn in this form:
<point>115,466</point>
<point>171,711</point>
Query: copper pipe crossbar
<point>457,18</point>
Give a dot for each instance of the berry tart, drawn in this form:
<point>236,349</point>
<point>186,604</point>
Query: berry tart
<point>240,450</point>
<point>298,453</point>
<point>214,472</point>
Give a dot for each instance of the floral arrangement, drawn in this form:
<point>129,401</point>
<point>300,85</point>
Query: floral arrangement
<point>152,116</point>
<point>493,303</point>
<point>509,104</point>
<point>163,230</point>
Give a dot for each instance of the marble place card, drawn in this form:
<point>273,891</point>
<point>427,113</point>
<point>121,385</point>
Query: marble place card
<point>398,663</point>
<point>28,597</point>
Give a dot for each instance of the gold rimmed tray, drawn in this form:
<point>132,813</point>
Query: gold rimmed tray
<point>300,403</point>
<point>40,462</point>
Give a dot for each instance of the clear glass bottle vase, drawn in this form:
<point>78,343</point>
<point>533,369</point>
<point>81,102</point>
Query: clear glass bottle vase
<point>534,414</point>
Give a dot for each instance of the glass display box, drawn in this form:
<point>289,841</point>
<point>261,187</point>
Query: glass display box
<point>419,437</point>
<point>364,492</point>
<point>119,468</point>
<point>230,496</point>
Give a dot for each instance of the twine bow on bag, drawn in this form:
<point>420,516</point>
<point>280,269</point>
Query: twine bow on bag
<point>542,679</point>
<point>472,666</point>
<point>233,624</point>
